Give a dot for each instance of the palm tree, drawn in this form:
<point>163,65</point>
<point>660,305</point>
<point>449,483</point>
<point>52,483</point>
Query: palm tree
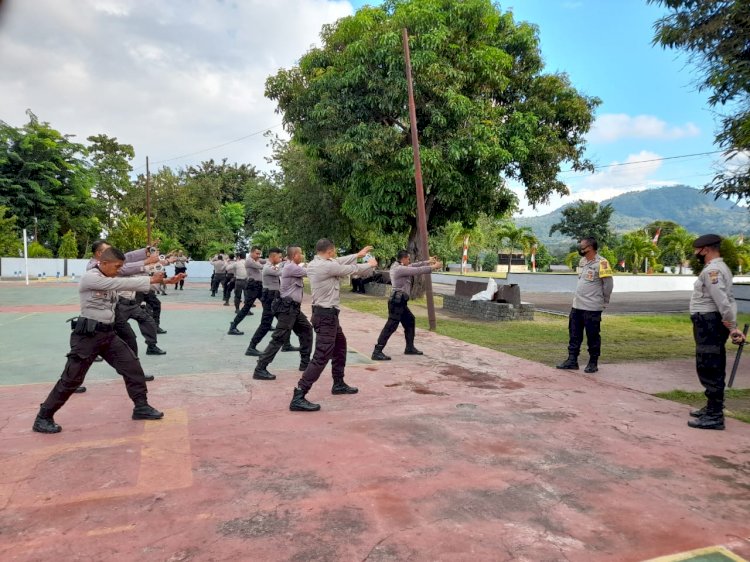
<point>515,237</point>
<point>637,247</point>
<point>680,243</point>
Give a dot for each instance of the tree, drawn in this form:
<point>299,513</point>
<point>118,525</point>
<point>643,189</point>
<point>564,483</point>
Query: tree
<point>10,241</point>
<point>714,33</point>
<point>516,237</point>
<point>584,219</point>
<point>678,243</point>
<point>636,248</point>
<point>129,233</point>
<point>44,180</point>
<point>111,168</point>
<point>543,258</point>
<point>485,110</point>
<point>729,254</point>
<point>68,247</point>
<point>36,250</point>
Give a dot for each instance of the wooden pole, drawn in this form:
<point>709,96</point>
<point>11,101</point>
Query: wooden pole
<point>421,215</point>
<point>148,204</point>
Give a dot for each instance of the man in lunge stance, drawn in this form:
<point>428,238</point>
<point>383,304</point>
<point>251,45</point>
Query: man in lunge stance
<point>271,285</point>
<point>402,276</point>
<point>253,289</point>
<point>289,316</point>
<point>94,334</point>
<point>325,273</point>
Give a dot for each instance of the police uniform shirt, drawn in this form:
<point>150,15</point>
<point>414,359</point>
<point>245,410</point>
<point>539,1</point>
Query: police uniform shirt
<point>292,281</point>
<point>402,276</point>
<point>712,292</point>
<point>325,278</point>
<point>98,293</point>
<point>238,269</point>
<point>220,266</point>
<point>254,269</point>
<point>594,284</point>
<point>271,276</point>
<point>181,262</point>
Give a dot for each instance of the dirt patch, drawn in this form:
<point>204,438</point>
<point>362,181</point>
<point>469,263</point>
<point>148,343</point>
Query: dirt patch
<point>489,504</point>
<point>371,368</point>
<point>293,485</point>
<point>347,520</point>
<point>551,416</point>
<point>261,524</point>
<point>419,388</point>
<point>478,379</point>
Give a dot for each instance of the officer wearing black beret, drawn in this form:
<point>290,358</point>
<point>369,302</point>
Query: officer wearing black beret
<point>713,312</point>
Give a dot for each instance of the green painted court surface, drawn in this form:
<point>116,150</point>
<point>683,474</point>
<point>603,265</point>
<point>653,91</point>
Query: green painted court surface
<point>34,336</point>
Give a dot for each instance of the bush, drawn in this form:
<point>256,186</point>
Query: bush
<point>68,246</point>
<point>728,252</point>
<point>36,250</point>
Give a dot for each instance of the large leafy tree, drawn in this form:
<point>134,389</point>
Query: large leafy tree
<point>584,219</point>
<point>485,110</point>
<point>513,237</point>
<point>44,180</point>
<point>715,34</point>
<point>10,239</point>
<point>111,168</point>
<point>678,245</point>
<point>636,247</point>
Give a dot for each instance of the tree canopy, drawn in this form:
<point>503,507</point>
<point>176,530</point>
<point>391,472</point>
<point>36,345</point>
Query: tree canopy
<point>586,218</point>
<point>485,111</point>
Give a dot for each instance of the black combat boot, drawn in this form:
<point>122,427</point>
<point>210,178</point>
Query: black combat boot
<point>252,351</point>
<point>148,378</point>
<point>289,347</point>
<point>261,373</point>
<point>159,330</point>
<point>44,423</point>
<point>340,387</point>
<point>698,413</point>
<point>378,355</point>
<point>709,420</point>
<point>226,303</point>
<point>303,364</point>
<point>144,411</point>
<point>79,390</point>
<point>154,350</point>
<point>233,331</point>
<point>593,365</point>
<point>570,363</point>
<point>411,350</point>
<point>300,404</point>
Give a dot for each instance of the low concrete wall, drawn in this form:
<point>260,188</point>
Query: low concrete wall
<point>15,268</point>
<point>488,310</point>
<point>742,296</point>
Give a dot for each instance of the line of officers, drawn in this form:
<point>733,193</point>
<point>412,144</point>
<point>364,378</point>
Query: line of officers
<point>279,284</point>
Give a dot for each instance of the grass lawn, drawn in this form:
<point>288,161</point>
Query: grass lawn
<point>736,401</point>
<point>495,274</point>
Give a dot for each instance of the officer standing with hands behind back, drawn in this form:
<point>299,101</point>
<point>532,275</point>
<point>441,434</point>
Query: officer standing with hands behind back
<point>713,312</point>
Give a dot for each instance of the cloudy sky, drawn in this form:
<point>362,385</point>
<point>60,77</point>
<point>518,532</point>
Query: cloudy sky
<point>176,78</point>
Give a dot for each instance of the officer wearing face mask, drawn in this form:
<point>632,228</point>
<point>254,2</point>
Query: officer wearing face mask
<point>591,298</point>
<point>713,312</point>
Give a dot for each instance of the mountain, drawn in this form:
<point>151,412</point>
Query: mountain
<point>697,211</point>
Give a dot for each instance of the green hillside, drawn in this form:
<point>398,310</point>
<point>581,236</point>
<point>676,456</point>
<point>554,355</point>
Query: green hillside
<point>697,211</point>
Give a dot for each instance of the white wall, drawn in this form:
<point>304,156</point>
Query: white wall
<point>14,268</point>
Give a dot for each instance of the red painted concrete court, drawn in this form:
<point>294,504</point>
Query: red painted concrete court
<point>463,454</point>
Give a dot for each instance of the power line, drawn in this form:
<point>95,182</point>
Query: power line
<point>649,160</point>
<point>213,147</point>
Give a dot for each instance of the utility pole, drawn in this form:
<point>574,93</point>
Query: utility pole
<point>421,215</point>
<point>148,204</point>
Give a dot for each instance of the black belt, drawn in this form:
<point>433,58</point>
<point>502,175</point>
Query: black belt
<point>126,301</point>
<point>101,327</point>
<point>290,300</point>
<point>325,311</point>
<point>713,314</point>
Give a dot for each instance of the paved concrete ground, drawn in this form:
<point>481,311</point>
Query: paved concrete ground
<point>462,454</point>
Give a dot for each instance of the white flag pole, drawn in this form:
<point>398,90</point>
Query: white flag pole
<point>26,255</point>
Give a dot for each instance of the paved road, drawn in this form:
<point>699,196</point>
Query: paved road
<point>622,303</point>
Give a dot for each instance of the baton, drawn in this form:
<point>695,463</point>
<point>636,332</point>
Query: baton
<point>737,358</point>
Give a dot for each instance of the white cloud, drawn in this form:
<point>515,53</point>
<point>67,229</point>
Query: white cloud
<point>171,77</point>
<point>611,127</point>
<point>572,5</point>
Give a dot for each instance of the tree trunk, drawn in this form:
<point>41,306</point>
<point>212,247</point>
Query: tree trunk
<point>414,248</point>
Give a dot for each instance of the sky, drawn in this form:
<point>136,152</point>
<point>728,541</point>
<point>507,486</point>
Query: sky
<point>183,80</point>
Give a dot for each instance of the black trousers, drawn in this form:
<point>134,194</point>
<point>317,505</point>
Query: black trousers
<point>83,351</point>
<point>239,290</point>
<point>131,310</point>
<point>330,345</point>
<point>178,270</point>
<point>398,313</point>
<point>266,320</point>
<point>153,305</point>
<point>253,290</point>
<point>711,356</point>
<point>228,286</point>
<point>289,318</point>
<point>216,280</point>
<point>589,321</point>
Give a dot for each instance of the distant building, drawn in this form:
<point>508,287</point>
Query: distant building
<point>517,263</point>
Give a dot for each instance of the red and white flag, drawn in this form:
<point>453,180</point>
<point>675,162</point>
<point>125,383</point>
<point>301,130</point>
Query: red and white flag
<point>741,240</point>
<point>533,259</point>
<point>656,236</point>
<point>465,257</point>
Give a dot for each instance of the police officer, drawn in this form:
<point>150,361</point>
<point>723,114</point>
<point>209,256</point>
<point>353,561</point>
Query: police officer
<point>229,282</point>
<point>239,271</point>
<point>253,289</point>
<point>325,273</point>
<point>93,334</point>
<point>219,276</point>
<point>289,316</point>
<point>713,312</point>
<point>402,276</point>
<point>591,298</point>
<point>180,266</point>
<point>271,285</point>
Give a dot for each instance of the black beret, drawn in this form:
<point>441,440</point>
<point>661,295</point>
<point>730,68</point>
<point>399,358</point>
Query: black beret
<point>707,240</point>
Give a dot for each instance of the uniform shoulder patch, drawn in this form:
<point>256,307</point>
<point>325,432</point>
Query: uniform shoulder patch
<point>605,270</point>
<point>713,276</point>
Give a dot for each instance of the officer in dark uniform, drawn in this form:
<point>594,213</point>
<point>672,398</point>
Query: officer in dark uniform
<point>229,279</point>
<point>94,334</point>
<point>253,289</point>
<point>271,286</point>
<point>713,312</point>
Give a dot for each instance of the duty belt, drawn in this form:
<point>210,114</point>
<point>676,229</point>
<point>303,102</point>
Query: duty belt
<point>122,300</point>
<point>325,311</point>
